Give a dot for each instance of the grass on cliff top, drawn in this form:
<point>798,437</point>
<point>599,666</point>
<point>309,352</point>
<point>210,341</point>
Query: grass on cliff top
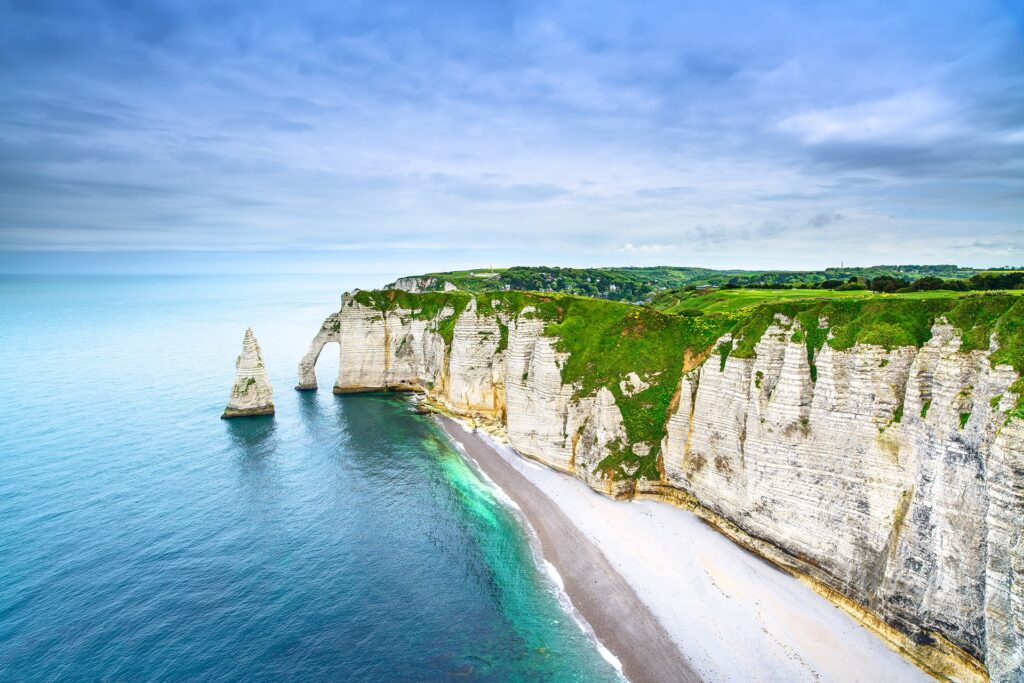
<point>733,300</point>
<point>606,340</point>
<point>842,320</point>
<point>896,320</point>
<point>427,306</point>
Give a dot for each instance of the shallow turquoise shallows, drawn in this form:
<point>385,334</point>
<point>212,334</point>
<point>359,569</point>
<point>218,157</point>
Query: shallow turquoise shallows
<point>144,538</point>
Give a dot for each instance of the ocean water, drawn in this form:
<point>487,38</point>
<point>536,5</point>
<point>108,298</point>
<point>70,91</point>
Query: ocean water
<point>143,538</point>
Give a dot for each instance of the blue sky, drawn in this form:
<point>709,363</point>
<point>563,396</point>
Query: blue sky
<point>402,137</point>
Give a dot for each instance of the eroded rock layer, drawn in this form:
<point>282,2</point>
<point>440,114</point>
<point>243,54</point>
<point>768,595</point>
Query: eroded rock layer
<point>891,480</point>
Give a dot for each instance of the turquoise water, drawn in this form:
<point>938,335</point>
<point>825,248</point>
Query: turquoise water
<point>143,538</point>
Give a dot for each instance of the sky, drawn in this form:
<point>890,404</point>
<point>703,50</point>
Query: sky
<point>307,136</point>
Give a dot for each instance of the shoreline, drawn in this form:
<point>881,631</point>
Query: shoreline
<point>621,622</point>
<point>730,614</point>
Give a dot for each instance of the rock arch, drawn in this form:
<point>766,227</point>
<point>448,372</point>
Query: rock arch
<point>329,332</point>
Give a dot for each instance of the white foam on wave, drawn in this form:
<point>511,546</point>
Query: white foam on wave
<point>539,560</point>
<point>555,576</point>
<point>566,603</point>
<point>607,655</point>
<point>499,492</point>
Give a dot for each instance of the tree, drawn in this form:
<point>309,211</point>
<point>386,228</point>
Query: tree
<point>887,284</point>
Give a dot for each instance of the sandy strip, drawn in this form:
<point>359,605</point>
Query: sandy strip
<point>619,618</point>
<point>732,615</point>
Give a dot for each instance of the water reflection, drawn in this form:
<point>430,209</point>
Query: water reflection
<point>253,439</point>
<point>323,418</point>
<point>253,442</point>
<point>310,414</point>
<point>309,407</point>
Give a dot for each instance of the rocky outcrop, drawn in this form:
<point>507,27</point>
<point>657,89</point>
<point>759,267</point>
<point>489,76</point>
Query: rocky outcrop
<point>251,393</point>
<point>891,480</point>
<point>329,332</point>
<point>415,285</point>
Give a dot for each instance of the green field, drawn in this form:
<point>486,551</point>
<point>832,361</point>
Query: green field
<point>728,300</point>
<point>731,300</point>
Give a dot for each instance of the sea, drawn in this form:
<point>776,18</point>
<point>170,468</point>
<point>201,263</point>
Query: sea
<point>142,538</point>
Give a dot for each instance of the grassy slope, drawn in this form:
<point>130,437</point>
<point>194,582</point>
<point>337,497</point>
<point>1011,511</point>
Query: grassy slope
<point>726,300</point>
<point>606,340</point>
<point>894,320</point>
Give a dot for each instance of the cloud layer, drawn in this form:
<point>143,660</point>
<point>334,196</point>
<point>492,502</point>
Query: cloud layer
<point>745,134</point>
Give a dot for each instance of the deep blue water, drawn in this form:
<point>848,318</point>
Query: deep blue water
<point>143,538</point>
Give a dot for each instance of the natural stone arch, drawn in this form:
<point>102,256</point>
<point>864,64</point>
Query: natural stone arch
<point>330,332</point>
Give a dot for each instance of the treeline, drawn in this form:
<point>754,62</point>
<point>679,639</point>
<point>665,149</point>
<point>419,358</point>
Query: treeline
<point>638,284</point>
<point>894,285</point>
<point>642,283</point>
<point>620,284</point>
<point>817,278</point>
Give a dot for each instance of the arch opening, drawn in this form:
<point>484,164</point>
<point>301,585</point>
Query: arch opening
<point>328,334</point>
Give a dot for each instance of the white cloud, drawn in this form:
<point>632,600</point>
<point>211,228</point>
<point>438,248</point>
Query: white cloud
<point>1015,137</point>
<point>916,117</point>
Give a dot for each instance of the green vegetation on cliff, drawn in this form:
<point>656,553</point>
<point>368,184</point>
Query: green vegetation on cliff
<point>428,306</point>
<point>891,321</point>
<point>686,302</point>
<point>896,320</point>
<point>605,341</point>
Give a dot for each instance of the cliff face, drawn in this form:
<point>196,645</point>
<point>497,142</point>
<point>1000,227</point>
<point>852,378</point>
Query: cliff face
<point>891,480</point>
<point>251,393</point>
<point>416,285</point>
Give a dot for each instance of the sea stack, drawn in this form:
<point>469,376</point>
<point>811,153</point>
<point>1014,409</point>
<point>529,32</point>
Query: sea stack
<point>252,393</point>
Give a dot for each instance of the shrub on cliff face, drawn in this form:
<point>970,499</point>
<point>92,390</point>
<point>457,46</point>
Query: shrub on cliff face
<point>606,341</point>
<point>423,306</point>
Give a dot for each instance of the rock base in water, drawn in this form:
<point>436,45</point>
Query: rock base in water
<point>247,412</point>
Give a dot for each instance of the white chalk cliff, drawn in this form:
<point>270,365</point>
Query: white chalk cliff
<point>415,285</point>
<point>251,393</point>
<point>893,482</point>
